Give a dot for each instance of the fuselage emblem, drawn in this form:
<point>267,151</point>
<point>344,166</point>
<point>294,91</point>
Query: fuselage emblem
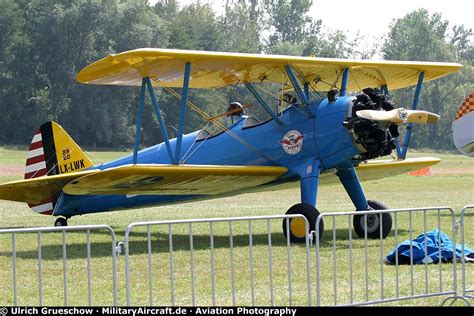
<point>292,142</point>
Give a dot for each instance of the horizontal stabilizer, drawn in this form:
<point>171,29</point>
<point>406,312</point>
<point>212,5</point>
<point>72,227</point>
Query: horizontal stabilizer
<point>36,190</point>
<point>399,116</point>
<point>173,180</point>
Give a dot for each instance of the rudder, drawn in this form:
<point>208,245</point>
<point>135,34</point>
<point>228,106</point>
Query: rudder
<point>52,151</point>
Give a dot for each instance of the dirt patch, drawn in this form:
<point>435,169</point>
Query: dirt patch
<point>12,170</point>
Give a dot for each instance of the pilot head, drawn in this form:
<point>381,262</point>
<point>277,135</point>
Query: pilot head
<point>235,108</point>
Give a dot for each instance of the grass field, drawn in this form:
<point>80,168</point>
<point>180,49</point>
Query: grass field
<point>452,184</point>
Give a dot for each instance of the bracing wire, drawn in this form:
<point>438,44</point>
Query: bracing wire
<point>355,79</point>
<point>55,165</point>
<point>218,124</point>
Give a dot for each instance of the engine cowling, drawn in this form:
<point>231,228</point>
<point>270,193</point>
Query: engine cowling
<point>372,139</point>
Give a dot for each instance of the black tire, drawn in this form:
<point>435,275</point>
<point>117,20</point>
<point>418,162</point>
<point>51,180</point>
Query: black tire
<point>311,214</point>
<point>60,222</point>
<point>373,222</point>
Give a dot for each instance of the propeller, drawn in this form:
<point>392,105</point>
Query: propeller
<point>399,116</point>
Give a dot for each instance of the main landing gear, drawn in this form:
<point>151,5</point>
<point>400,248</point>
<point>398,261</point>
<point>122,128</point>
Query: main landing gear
<point>377,224</point>
<point>60,222</point>
<point>297,225</point>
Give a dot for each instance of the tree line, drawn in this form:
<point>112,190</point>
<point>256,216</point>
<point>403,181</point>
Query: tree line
<point>44,43</point>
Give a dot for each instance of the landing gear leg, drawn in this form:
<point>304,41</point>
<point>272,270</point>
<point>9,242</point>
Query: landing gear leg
<point>60,222</point>
<point>350,181</point>
<point>309,173</point>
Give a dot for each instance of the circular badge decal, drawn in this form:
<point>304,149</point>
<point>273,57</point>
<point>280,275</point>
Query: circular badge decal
<point>292,142</point>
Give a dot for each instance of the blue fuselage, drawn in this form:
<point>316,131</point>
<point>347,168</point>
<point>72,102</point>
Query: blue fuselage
<point>321,137</point>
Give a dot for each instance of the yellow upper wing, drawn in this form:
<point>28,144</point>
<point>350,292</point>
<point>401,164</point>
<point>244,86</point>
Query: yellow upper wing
<point>217,69</point>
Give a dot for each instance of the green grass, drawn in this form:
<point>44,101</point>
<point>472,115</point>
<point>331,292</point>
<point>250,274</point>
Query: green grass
<point>451,185</point>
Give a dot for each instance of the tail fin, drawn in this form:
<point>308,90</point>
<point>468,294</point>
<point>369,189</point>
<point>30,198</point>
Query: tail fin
<point>53,151</point>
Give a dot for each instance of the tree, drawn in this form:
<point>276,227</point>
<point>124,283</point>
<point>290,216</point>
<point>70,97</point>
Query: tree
<point>333,44</point>
<point>294,32</point>
<point>167,10</point>
<point>11,37</point>
<point>196,27</point>
<point>242,24</point>
<point>289,20</point>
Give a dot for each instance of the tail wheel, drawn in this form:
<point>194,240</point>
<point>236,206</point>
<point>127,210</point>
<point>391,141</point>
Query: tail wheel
<point>297,225</point>
<point>60,222</point>
<point>375,222</point>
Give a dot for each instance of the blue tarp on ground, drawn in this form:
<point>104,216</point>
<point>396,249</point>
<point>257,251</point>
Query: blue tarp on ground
<point>433,239</point>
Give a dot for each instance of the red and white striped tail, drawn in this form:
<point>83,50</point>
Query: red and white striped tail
<point>46,207</point>
<point>35,161</point>
<point>36,167</point>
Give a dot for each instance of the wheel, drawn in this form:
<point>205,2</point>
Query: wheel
<point>297,225</point>
<point>373,222</point>
<point>60,222</point>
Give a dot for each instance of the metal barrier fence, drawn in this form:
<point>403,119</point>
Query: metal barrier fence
<point>237,261</point>
<point>467,279</point>
<point>41,271</point>
<point>376,281</point>
<point>242,262</point>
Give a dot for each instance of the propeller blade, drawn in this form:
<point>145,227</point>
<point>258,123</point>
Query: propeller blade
<point>422,117</point>
<point>399,116</point>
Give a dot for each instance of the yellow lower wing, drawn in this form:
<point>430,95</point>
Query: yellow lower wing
<point>372,170</point>
<point>173,180</point>
<point>377,169</point>
<point>35,190</point>
<point>184,180</point>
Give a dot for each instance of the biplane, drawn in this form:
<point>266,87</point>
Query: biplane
<point>312,141</point>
